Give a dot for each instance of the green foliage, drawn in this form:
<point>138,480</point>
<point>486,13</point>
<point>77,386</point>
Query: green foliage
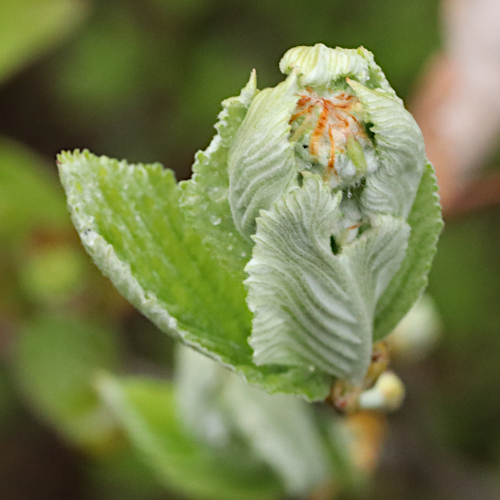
<point>141,79</point>
<point>147,411</point>
<point>176,252</point>
<point>29,28</point>
<point>57,362</point>
<point>283,431</point>
<point>130,223</point>
<point>317,312</point>
<point>261,163</point>
<point>411,278</point>
<point>205,196</point>
<point>29,197</point>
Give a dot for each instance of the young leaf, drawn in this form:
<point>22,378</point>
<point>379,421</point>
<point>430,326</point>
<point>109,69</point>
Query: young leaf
<point>322,66</point>
<point>129,220</point>
<point>306,310</point>
<point>400,150</point>
<point>282,430</point>
<point>411,279</point>
<point>205,196</point>
<point>311,307</point>
<point>261,163</point>
<point>282,171</point>
<point>374,257</point>
<point>200,385</point>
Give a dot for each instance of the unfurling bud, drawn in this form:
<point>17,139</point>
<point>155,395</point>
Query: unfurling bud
<point>323,174</point>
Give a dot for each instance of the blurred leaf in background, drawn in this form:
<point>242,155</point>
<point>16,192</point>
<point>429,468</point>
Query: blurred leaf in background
<point>58,359</point>
<point>147,411</point>
<point>29,195</point>
<point>211,435</point>
<point>28,28</point>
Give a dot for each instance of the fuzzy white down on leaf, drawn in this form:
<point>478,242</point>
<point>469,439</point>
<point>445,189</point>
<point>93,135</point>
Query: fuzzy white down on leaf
<point>311,307</point>
<point>261,162</point>
<point>400,151</point>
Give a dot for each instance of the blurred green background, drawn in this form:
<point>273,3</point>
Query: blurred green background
<point>143,80</point>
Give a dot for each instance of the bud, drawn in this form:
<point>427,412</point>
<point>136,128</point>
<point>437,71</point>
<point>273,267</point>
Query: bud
<point>345,396</point>
<point>323,173</point>
<point>335,116</point>
<point>417,333</point>
<point>386,395</point>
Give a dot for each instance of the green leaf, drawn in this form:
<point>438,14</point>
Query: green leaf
<point>323,67</point>
<point>400,151</point>
<point>261,162</point>
<point>205,196</point>
<point>313,308</point>
<point>130,222</point>
<point>28,28</point>
<point>147,411</point>
<point>283,430</point>
<point>306,312</point>
<point>374,257</point>
<point>57,362</point>
<point>200,391</point>
<point>411,279</point>
<point>29,198</point>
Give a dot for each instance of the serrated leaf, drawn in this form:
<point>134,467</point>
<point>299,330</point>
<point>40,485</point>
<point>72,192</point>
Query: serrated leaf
<point>311,307</point>
<point>130,222</point>
<point>57,361</point>
<point>148,413</point>
<point>261,162</point>
<point>205,196</point>
<point>22,34</point>
<point>306,312</point>
<point>411,279</point>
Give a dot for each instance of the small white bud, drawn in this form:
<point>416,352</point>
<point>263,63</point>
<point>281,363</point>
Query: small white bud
<point>386,395</point>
